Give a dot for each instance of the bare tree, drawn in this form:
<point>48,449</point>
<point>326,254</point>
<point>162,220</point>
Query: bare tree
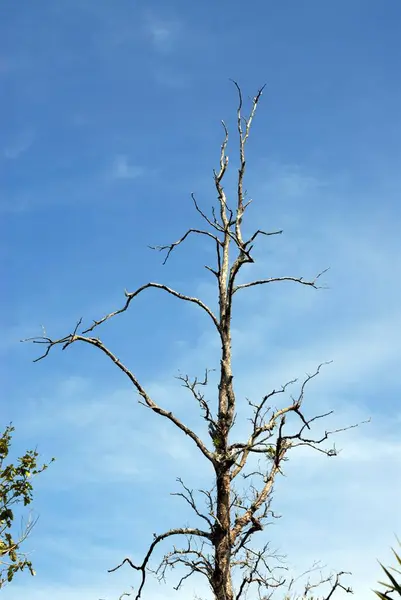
<point>232,515</point>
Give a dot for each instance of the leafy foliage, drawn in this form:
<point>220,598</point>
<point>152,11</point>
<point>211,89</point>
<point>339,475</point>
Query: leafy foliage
<point>15,489</point>
<point>394,587</point>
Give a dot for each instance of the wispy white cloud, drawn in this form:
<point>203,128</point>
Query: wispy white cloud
<point>123,169</point>
<point>291,181</point>
<point>162,32</point>
<point>5,65</point>
<point>170,77</point>
<point>20,144</point>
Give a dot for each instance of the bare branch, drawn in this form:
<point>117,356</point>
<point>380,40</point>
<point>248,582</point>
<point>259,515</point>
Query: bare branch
<point>147,399</point>
<point>259,571</point>
<point>170,247</point>
<point>223,156</point>
<point>275,452</point>
<point>215,224</point>
<point>315,443</point>
<point>282,444</point>
<point>338,585</point>
<point>210,503</point>
<point>248,122</point>
<point>301,280</point>
<point>218,177</point>
<point>260,232</point>
<point>192,558</point>
<point>131,295</point>
<point>188,496</point>
<point>157,539</point>
<point>334,580</point>
<point>243,255</point>
<point>260,427</point>
<point>199,397</point>
<point>242,521</point>
<point>243,136</point>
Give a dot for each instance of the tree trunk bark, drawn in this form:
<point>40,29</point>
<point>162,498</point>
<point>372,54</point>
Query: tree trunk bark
<point>221,580</point>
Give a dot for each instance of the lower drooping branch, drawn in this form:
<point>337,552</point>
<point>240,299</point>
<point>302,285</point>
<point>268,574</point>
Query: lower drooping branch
<point>147,400</point>
<point>143,567</point>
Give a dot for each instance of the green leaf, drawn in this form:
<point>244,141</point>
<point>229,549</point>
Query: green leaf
<point>394,586</point>
<point>382,596</point>
<point>15,488</point>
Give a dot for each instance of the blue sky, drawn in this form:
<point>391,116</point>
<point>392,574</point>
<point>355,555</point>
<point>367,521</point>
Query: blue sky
<point>111,116</point>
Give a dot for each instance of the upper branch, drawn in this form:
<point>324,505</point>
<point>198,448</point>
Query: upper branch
<point>215,223</point>
<point>218,177</point>
<point>131,295</point>
<point>244,251</point>
<point>261,232</point>
<point>311,283</point>
<point>170,247</point>
<point>243,136</point>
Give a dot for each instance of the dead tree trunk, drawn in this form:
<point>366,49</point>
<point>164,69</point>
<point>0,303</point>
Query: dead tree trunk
<point>223,546</point>
<point>221,579</point>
